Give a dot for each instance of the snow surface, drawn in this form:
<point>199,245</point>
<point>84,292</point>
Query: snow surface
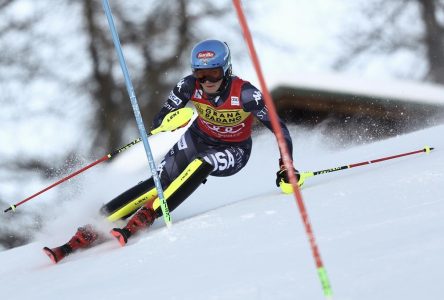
<point>379,229</point>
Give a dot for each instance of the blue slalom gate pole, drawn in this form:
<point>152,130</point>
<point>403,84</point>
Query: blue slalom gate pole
<point>137,114</point>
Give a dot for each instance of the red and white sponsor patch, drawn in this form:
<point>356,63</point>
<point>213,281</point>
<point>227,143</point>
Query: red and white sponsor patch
<point>205,54</point>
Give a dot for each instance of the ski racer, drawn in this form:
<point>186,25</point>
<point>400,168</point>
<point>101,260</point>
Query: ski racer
<point>217,143</point>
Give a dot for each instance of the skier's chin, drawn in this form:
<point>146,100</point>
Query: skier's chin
<point>210,87</point>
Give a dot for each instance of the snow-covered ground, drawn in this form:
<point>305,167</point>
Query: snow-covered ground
<point>379,229</point>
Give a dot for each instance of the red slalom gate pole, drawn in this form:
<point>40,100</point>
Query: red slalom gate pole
<point>285,154</point>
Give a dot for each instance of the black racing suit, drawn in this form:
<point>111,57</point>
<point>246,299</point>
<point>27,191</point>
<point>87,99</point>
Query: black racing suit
<point>226,158</point>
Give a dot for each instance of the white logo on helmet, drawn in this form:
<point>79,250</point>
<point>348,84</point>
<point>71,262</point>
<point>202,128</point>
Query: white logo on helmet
<point>205,55</point>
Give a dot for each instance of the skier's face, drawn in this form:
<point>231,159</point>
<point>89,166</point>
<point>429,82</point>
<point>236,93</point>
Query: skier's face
<point>210,79</point>
<point>211,87</point>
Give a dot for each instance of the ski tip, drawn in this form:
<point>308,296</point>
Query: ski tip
<point>120,235</point>
<point>52,256</point>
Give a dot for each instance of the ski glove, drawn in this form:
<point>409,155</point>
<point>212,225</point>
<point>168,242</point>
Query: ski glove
<point>282,179</point>
<point>158,118</point>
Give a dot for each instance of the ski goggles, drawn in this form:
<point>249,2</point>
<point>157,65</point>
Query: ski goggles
<point>212,75</point>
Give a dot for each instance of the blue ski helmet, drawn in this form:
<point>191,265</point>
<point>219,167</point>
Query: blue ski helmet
<point>211,54</point>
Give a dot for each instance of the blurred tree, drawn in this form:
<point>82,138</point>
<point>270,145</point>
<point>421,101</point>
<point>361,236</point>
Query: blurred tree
<point>17,53</point>
<point>157,45</point>
<point>413,28</point>
<point>58,66</point>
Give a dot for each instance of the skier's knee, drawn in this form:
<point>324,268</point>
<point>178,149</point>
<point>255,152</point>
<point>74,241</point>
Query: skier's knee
<point>185,184</point>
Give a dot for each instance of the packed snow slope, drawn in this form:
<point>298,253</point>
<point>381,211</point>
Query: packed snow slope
<point>379,229</point>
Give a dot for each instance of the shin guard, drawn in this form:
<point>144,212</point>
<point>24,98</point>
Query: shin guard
<point>128,202</point>
<point>184,185</point>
